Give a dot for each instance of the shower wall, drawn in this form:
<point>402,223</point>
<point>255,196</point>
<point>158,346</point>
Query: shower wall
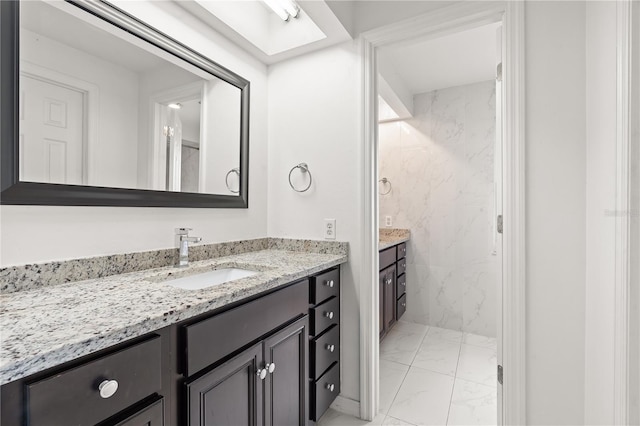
<point>441,167</point>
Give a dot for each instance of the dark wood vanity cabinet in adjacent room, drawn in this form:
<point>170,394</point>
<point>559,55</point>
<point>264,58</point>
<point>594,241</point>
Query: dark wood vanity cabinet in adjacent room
<point>269,360</point>
<point>393,285</point>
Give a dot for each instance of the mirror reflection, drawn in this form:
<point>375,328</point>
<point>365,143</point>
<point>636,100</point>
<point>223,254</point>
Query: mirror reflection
<point>100,107</point>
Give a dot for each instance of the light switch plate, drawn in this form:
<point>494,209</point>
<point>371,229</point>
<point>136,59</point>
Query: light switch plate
<point>329,229</point>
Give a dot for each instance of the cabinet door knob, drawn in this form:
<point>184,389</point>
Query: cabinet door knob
<point>330,386</point>
<point>262,373</point>
<point>329,283</point>
<point>108,388</point>
<point>329,315</point>
<point>389,281</point>
<point>271,367</point>
<point>331,348</point>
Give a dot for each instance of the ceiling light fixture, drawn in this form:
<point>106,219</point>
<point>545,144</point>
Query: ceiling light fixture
<point>285,9</point>
<point>175,106</point>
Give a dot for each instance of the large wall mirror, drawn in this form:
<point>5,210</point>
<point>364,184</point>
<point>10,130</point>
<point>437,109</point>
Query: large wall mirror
<point>98,108</point>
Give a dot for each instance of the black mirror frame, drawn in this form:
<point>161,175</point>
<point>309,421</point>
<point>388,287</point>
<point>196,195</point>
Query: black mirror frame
<point>15,192</point>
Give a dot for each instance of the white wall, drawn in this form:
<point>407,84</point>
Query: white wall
<point>41,233</point>
<point>116,146</point>
<point>313,107</point>
<point>555,222</point>
<point>601,197</point>
<point>441,167</point>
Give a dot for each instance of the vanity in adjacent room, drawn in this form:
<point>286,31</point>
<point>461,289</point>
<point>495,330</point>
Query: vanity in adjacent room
<point>393,278</point>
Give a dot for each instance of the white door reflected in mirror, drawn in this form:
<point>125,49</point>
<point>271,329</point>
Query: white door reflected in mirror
<point>107,120</point>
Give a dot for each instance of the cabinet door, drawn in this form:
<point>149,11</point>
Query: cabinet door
<point>287,386</point>
<point>383,278</point>
<point>231,394</point>
<point>390,297</point>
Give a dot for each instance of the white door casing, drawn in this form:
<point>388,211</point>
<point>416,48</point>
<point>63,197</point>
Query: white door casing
<point>454,18</point>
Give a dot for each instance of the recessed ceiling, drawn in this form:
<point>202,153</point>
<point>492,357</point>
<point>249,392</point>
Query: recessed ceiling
<point>454,60</point>
<point>258,30</point>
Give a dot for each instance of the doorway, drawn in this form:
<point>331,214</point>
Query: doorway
<point>449,20</point>
<point>440,176</point>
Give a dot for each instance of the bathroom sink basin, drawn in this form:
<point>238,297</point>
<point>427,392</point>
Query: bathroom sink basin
<point>209,279</point>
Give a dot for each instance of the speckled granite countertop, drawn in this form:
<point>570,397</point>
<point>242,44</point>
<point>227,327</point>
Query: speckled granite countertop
<point>389,237</point>
<point>48,326</point>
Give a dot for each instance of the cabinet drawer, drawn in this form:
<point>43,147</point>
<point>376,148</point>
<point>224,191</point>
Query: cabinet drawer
<point>401,266</point>
<point>401,286</point>
<point>387,257</point>
<point>214,338</point>
<point>324,391</point>
<point>325,350</point>
<point>73,396</point>
<point>324,286</point>
<point>402,250</point>
<point>324,315</point>
<point>401,307</point>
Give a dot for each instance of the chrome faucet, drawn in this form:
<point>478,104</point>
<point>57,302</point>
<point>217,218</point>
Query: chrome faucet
<point>185,239</point>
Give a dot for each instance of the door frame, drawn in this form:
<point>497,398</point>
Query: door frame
<point>451,19</point>
<point>626,81</point>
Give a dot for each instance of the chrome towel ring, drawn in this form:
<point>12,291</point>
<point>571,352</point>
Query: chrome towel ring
<point>386,181</point>
<point>305,169</point>
<point>226,179</point>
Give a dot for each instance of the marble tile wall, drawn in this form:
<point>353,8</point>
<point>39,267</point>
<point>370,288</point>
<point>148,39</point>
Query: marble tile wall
<point>441,166</point>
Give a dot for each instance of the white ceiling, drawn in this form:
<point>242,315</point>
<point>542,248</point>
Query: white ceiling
<point>454,60</point>
<point>259,31</point>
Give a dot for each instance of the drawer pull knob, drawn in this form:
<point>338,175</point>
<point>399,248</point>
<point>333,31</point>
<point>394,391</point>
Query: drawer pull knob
<point>404,265</point>
<point>404,304</point>
<point>329,283</point>
<point>330,386</point>
<point>389,281</point>
<point>329,315</point>
<point>331,348</point>
<point>271,367</point>
<point>108,388</point>
<point>262,373</point>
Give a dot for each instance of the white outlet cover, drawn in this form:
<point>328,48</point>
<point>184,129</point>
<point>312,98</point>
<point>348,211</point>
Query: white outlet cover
<point>388,221</point>
<point>329,229</point>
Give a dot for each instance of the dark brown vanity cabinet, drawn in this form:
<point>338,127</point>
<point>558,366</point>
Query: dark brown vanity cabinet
<point>265,384</point>
<point>324,349</point>
<point>393,286</point>
<point>270,360</point>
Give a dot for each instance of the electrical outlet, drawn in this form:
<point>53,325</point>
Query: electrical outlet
<point>387,221</point>
<point>329,229</point>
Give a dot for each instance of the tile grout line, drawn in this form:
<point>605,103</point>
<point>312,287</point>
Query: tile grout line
<point>454,380</point>
<point>419,346</point>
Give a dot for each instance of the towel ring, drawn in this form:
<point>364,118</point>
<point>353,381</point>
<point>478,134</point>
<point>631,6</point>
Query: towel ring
<point>226,179</point>
<point>305,169</point>
<point>385,181</point>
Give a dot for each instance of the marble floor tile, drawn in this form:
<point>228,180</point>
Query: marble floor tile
<point>402,342</point>
<point>335,418</point>
<point>391,376</point>
<point>392,421</point>
<point>477,340</point>
<point>423,398</point>
<point>473,404</point>
<point>478,365</point>
<point>445,334</point>
<point>438,355</point>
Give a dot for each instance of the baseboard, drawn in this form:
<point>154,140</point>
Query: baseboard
<point>347,406</point>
